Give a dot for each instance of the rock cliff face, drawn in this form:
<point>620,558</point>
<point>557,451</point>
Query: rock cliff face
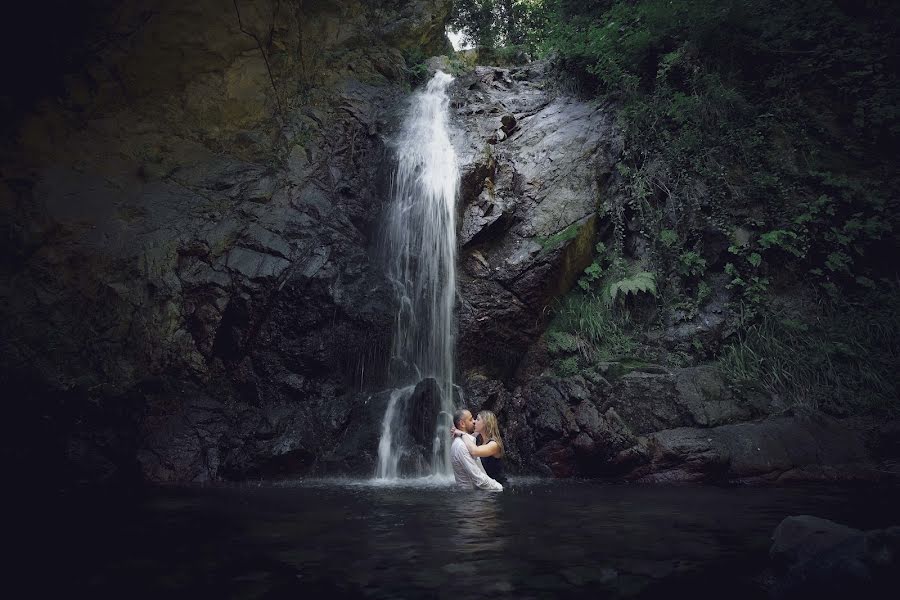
<point>538,168</point>
<point>191,225</point>
<point>535,166</point>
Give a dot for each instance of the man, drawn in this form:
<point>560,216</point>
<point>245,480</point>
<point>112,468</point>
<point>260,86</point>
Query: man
<point>467,469</point>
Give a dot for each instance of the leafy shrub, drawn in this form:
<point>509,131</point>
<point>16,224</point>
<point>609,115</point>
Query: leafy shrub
<point>568,366</point>
<point>691,264</point>
<point>416,70</point>
<point>668,238</point>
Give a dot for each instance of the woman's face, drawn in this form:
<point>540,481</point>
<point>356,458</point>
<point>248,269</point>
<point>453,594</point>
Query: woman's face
<point>479,425</point>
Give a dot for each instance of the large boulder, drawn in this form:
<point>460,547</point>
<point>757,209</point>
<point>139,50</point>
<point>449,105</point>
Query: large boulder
<point>587,427</point>
<point>815,557</point>
<point>534,169</point>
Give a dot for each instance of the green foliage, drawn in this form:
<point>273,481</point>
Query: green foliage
<point>568,366</point>
<point>668,238</point>
<point>777,121</point>
<point>416,70</point>
<point>501,23</point>
<point>643,282</point>
<point>591,274</point>
<point>703,293</point>
<point>474,19</point>
<point>550,242</point>
<point>842,357</point>
<point>561,342</point>
<point>594,271</point>
<point>789,111</point>
<point>594,323</point>
<point>691,264</point>
<point>786,240</point>
<point>585,326</point>
<point>753,287</point>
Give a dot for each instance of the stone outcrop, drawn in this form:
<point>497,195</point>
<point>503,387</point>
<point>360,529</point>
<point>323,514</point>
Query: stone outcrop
<point>535,166</point>
<point>658,425</point>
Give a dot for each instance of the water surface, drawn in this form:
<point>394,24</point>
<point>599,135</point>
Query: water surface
<point>538,539</point>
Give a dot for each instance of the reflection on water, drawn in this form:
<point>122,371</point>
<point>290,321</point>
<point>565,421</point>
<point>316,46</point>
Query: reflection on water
<point>427,539</point>
<point>474,523</point>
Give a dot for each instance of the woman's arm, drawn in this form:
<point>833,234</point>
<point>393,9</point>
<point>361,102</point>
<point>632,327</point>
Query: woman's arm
<point>489,449</point>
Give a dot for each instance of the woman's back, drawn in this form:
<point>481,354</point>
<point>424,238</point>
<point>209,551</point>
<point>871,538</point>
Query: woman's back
<point>493,465</point>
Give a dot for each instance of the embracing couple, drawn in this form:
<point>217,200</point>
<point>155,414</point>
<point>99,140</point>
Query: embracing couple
<point>477,466</point>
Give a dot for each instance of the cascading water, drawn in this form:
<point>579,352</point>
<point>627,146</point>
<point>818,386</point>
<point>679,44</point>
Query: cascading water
<point>421,251</point>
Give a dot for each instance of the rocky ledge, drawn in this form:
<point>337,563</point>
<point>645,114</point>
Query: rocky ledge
<point>658,425</point>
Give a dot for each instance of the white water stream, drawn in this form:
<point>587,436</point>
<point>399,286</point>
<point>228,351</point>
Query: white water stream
<point>421,247</point>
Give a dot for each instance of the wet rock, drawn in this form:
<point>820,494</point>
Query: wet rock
<point>424,406</point>
<point>668,398</point>
<point>816,557</point>
<point>260,239</point>
<point>488,311</point>
<point>609,426</point>
<point>483,393</point>
<point>760,451</point>
<point>355,451</point>
<point>509,123</point>
<point>530,188</point>
<point>887,440</point>
<point>557,426</point>
<point>484,220</point>
<point>797,539</point>
<point>181,435</point>
<point>256,265</point>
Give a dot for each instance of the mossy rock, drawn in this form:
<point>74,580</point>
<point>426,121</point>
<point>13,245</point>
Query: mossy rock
<point>577,245</point>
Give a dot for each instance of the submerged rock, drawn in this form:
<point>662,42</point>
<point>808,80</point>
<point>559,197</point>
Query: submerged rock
<point>816,557</point>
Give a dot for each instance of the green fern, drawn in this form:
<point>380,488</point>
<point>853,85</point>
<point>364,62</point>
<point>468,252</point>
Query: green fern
<point>642,282</point>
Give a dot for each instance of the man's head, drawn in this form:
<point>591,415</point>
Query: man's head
<point>463,420</point>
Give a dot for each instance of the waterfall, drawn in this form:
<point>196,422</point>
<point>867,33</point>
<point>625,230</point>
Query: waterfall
<point>420,240</point>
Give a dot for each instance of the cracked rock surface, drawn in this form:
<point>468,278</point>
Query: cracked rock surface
<point>190,224</point>
<point>535,165</point>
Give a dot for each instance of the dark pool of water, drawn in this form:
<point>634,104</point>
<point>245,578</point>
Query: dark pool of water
<point>538,539</point>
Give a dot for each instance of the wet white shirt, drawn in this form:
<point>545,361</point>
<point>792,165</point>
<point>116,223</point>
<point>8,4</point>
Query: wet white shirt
<point>467,469</point>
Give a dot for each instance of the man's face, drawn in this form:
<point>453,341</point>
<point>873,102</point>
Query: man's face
<point>467,424</point>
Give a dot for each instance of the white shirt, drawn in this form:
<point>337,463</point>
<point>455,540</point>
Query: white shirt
<point>468,470</point>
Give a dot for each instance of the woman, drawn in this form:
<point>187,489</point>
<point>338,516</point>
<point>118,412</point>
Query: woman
<point>490,450</point>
